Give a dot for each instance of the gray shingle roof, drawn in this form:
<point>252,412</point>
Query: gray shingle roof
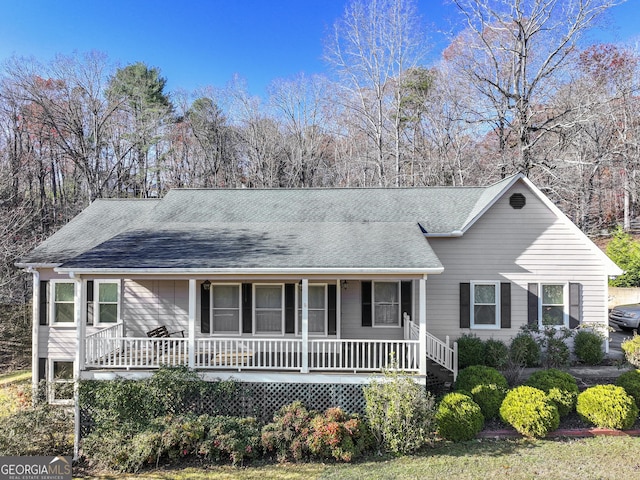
<point>301,228</point>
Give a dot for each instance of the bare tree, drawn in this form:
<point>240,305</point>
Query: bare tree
<point>516,51</point>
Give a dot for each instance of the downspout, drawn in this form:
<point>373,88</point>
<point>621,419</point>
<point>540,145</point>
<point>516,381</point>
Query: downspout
<point>35,331</point>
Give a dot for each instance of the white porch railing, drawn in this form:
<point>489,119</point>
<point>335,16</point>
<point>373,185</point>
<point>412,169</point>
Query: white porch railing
<point>443,353</point>
<point>363,355</point>
<point>96,347</point>
<point>131,352</point>
<point>249,353</point>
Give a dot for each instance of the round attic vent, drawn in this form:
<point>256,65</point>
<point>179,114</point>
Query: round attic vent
<point>517,201</point>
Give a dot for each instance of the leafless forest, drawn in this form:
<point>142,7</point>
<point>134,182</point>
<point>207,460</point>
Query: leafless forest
<point>519,89</point>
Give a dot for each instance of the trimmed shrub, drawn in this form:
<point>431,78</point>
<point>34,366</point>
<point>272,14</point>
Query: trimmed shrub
<point>496,353</point>
<point>287,435</point>
<point>524,350</point>
<point>400,412</point>
<point>556,353</point>
<point>230,439</point>
<point>471,351</point>
<point>473,376</point>
<point>42,430</point>
<point>339,436</point>
<point>607,406</point>
<point>587,347</point>
<point>459,418</point>
<point>489,398</point>
<point>630,381</point>
<point>559,386</point>
<point>631,348</point>
<point>530,411</point>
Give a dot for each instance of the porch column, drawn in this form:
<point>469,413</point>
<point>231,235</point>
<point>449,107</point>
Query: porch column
<point>79,303</point>
<point>422,302</point>
<point>192,323</point>
<point>305,326</point>
<point>35,328</point>
<point>338,308</point>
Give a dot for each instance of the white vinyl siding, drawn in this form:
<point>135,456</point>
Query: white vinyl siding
<point>530,245</point>
<point>226,314</point>
<point>485,305</point>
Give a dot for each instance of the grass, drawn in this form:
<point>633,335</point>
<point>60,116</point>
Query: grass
<point>584,459</point>
<point>15,391</point>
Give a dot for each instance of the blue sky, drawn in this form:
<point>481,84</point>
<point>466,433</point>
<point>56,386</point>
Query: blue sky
<point>197,43</point>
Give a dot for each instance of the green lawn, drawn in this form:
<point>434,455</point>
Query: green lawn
<point>583,459</point>
<point>15,391</point>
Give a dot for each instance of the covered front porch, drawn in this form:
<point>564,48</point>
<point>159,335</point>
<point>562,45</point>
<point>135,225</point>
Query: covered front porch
<point>120,347</point>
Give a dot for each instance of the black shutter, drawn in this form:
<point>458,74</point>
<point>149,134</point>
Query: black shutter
<point>42,369</point>
<point>505,305</point>
<point>290,308</point>
<point>205,310</point>
<point>44,302</point>
<point>465,305</point>
<point>331,309</point>
<point>247,311</point>
<point>575,304</point>
<point>532,305</point>
<point>366,304</point>
<point>405,300</point>
<point>89,302</point>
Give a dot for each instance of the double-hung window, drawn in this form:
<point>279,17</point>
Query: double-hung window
<point>485,311</point>
<point>225,309</point>
<point>268,308</point>
<point>106,299</point>
<point>317,309</point>
<point>386,304</point>
<point>552,305</point>
<point>63,304</point>
<point>61,381</point>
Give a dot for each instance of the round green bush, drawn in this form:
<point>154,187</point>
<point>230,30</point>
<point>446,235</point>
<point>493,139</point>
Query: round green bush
<point>473,376</point>
<point>496,353</point>
<point>588,347</point>
<point>607,406</point>
<point>524,350</point>
<point>489,398</point>
<point>556,353</point>
<point>530,411</point>
<point>471,351</point>
<point>630,381</point>
<point>459,418</point>
<point>560,387</point>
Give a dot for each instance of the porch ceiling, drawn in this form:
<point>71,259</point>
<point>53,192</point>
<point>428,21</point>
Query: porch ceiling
<point>363,246</point>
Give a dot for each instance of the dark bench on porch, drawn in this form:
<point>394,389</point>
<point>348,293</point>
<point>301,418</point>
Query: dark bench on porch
<point>163,332</point>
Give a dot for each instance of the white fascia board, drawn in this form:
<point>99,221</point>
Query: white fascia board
<point>36,266</point>
<point>251,271</point>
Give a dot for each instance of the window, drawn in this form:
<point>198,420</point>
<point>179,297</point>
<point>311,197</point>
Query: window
<point>61,381</point>
<point>268,308</point>
<point>552,305</point>
<point>63,306</point>
<point>386,304</point>
<point>225,309</point>
<point>485,301</point>
<point>106,301</point>
<point>316,308</point>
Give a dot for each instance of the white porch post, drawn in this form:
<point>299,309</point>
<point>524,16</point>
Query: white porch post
<point>338,308</point>
<point>35,328</point>
<point>305,326</point>
<point>78,366</point>
<point>422,302</point>
<point>192,323</point>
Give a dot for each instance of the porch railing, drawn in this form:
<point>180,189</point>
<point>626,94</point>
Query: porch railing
<point>98,345</point>
<point>131,352</point>
<point>443,353</point>
<point>249,354</point>
<point>363,355</point>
